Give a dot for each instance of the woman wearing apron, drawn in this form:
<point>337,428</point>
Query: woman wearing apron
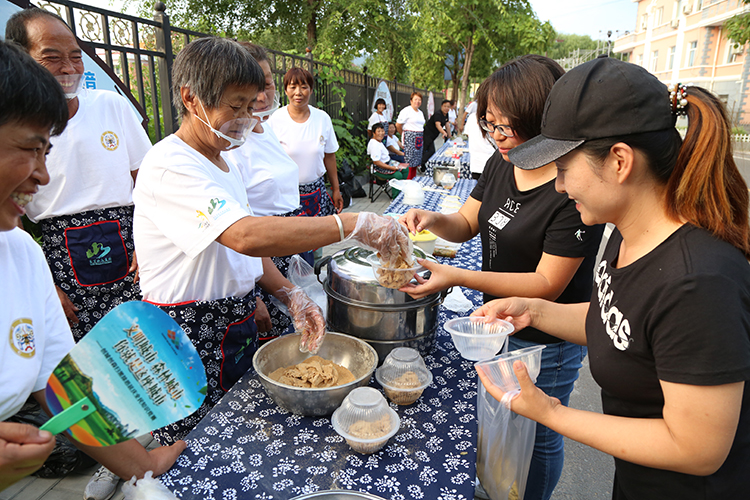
<point>306,134</point>
<point>197,239</point>
<point>380,115</point>
<point>270,177</point>
<point>410,124</point>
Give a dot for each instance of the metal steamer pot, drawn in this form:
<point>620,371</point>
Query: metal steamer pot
<point>385,318</point>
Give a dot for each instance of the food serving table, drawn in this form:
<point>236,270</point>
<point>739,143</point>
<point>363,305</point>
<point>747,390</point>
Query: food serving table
<point>249,448</point>
<point>443,157</point>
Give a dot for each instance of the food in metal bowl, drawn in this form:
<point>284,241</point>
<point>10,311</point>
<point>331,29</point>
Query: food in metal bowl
<point>396,275</point>
<point>313,372</point>
<point>350,352</point>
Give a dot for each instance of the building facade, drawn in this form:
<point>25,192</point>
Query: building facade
<point>684,41</point>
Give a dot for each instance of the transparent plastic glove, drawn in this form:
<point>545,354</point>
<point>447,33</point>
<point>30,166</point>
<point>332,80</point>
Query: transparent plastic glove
<point>307,317</point>
<point>384,235</point>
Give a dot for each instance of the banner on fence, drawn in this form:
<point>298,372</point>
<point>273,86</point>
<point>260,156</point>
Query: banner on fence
<point>382,92</point>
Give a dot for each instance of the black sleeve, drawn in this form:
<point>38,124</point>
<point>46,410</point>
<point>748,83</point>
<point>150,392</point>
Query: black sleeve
<point>700,331</point>
<point>568,236</point>
<point>478,192</point>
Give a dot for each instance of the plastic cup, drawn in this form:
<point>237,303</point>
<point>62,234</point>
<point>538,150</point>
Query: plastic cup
<point>365,420</point>
<point>391,277</point>
<point>403,375</point>
<point>475,338</point>
<point>500,368</point>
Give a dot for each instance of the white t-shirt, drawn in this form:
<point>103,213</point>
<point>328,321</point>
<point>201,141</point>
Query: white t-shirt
<point>411,119</point>
<point>471,108</point>
<point>34,332</point>
<point>452,115</point>
<point>376,150</point>
<point>271,177</point>
<point>480,148</point>
<point>90,162</point>
<point>305,142</point>
<point>376,118</point>
<point>391,141</point>
<point>183,202</point>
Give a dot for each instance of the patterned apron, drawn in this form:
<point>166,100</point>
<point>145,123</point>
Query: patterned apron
<point>89,254</point>
<point>223,332</point>
<point>315,200</point>
<point>413,147</point>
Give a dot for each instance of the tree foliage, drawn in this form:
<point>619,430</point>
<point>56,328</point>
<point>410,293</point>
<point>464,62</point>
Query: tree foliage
<point>564,44</point>
<point>738,27</point>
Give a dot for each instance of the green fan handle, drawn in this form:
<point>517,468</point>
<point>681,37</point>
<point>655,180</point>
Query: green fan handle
<point>69,417</point>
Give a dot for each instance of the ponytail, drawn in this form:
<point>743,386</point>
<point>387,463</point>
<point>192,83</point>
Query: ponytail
<point>705,187</point>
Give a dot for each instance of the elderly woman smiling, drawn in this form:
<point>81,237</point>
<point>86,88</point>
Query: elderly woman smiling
<point>198,242</point>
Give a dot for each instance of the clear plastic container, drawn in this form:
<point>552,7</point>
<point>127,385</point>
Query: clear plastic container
<point>403,375</point>
<point>391,277</point>
<point>500,368</point>
<point>365,420</point>
<point>475,338</point>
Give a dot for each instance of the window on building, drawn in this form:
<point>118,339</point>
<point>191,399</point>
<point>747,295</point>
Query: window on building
<point>644,22</point>
<point>654,61</point>
<point>670,57</point>
<point>692,48</point>
<point>640,60</point>
<point>699,5</point>
<point>659,16</point>
<point>676,9</point>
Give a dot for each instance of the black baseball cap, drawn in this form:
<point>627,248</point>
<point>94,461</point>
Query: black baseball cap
<point>601,98</point>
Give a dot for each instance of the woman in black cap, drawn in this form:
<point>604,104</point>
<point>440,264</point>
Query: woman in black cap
<point>533,241</point>
<point>668,325</point>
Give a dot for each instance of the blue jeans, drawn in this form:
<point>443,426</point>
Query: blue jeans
<point>559,371</point>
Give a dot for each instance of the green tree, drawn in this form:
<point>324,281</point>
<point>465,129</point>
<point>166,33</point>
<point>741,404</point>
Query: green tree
<point>738,27</point>
<point>501,28</point>
<point>564,44</point>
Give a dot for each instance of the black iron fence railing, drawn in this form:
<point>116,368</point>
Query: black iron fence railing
<point>139,52</point>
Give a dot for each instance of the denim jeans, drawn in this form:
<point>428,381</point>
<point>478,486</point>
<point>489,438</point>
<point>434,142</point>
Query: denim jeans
<point>559,371</point>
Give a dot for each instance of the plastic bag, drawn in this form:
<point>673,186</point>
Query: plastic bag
<point>147,488</point>
<point>504,446</point>
<point>413,194</point>
<point>301,274</point>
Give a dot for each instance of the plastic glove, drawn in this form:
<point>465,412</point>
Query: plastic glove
<point>385,235</point>
<point>307,317</point>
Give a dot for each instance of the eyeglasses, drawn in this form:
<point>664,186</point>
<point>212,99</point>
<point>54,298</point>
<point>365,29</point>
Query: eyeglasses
<point>491,127</point>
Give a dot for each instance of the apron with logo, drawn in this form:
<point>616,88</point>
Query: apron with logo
<point>413,142</point>
<point>315,200</point>
<point>224,334</point>
<point>89,254</point>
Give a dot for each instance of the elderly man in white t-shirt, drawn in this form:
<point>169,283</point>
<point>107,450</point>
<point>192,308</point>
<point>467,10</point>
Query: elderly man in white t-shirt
<point>85,213</point>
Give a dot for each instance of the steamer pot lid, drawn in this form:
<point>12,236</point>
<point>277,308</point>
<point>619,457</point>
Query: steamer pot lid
<point>350,264</point>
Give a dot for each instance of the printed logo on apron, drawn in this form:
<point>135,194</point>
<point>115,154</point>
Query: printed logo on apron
<point>311,203</point>
<point>238,347</point>
<point>418,141</point>
<point>22,338</point>
<point>97,253</point>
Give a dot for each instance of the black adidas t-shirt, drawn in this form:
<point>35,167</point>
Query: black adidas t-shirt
<point>517,227</point>
<point>680,314</point>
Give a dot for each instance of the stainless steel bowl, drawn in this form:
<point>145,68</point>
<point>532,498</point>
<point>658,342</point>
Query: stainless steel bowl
<point>347,351</point>
<point>338,495</point>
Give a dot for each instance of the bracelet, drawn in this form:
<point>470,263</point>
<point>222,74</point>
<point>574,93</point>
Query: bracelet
<point>341,226</point>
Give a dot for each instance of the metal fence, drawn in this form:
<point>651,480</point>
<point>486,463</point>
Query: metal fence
<point>140,52</point>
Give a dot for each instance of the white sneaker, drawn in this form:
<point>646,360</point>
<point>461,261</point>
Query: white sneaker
<point>102,485</point>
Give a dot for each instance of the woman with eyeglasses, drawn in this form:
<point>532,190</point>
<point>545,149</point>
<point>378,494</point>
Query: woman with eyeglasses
<point>534,243</point>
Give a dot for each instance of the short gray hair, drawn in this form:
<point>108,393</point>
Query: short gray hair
<point>208,65</point>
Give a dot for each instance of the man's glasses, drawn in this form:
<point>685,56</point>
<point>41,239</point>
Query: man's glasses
<point>491,127</point>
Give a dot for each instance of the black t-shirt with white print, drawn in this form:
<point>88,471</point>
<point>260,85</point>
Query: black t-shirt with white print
<point>516,227</point>
<point>680,314</point>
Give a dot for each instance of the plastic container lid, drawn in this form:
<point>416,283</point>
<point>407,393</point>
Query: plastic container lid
<point>476,338</point>
<point>365,420</point>
<point>403,375</point>
<point>500,368</point>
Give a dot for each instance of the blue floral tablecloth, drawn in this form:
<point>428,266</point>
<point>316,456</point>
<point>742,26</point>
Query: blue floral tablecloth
<point>249,448</point>
<point>443,157</point>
